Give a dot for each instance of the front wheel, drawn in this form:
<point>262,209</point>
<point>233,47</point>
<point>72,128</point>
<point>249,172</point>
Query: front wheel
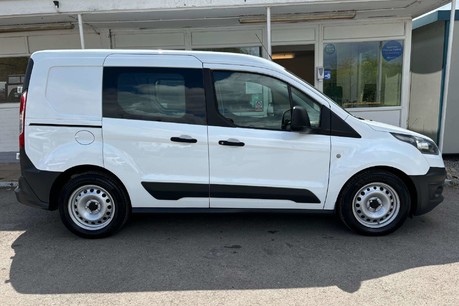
<point>374,203</point>
<point>92,205</point>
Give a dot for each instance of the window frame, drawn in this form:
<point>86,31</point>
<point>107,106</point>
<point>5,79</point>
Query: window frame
<point>217,119</point>
<point>195,113</point>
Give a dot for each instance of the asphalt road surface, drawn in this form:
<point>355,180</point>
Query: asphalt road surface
<point>236,259</point>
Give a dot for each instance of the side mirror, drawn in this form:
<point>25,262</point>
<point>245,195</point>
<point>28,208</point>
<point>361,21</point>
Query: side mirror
<point>300,119</point>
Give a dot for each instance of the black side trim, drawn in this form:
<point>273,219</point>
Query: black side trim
<point>175,191</point>
<point>66,125</point>
<point>268,193</point>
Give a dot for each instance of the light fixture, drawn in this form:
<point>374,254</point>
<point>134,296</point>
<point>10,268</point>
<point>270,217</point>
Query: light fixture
<point>36,27</point>
<point>282,56</point>
<point>56,4</point>
<point>288,18</point>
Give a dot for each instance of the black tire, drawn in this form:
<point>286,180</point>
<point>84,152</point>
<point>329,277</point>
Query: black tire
<point>92,205</point>
<point>374,203</point>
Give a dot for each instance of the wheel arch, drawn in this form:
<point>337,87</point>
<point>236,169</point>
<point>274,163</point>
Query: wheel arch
<point>403,176</point>
<point>65,176</point>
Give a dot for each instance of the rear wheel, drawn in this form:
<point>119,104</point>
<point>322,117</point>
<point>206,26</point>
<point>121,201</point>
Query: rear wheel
<point>92,205</point>
<point>374,203</point>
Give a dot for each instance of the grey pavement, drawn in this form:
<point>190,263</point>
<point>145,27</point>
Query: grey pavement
<point>9,169</point>
<point>9,174</point>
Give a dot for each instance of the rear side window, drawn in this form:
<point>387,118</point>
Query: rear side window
<point>156,94</point>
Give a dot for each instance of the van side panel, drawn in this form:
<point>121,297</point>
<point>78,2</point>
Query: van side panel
<point>350,156</point>
<point>60,147</point>
<point>63,123</point>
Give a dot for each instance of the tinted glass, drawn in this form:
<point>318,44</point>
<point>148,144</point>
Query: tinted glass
<point>158,94</point>
<point>251,100</point>
<point>311,106</point>
<point>12,71</point>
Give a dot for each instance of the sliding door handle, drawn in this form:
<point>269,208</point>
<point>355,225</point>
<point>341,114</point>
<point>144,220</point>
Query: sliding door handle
<point>233,143</point>
<point>184,139</point>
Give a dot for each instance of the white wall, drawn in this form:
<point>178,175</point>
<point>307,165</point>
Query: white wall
<point>24,44</point>
<point>9,127</point>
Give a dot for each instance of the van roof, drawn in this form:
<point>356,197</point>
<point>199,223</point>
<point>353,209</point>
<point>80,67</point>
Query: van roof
<point>208,57</point>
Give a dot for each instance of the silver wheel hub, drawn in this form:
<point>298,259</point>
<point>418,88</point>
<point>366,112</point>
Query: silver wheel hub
<point>376,205</point>
<point>91,207</point>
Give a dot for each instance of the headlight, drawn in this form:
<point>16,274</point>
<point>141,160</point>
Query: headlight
<point>425,146</point>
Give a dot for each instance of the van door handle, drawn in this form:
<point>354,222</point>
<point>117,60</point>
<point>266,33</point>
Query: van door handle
<point>184,139</point>
<point>233,143</point>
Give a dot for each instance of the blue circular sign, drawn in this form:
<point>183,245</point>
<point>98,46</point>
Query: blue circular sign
<point>330,49</point>
<point>391,50</point>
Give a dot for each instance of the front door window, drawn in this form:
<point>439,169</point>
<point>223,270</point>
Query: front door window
<point>257,101</point>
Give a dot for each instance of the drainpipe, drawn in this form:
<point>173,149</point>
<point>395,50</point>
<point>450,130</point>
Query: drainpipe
<point>268,31</point>
<point>447,75</point>
<point>80,26</point>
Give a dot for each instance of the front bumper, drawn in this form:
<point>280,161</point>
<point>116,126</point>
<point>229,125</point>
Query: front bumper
<point>429,189</point>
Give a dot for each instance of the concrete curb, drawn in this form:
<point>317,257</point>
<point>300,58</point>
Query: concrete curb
<point>452,182</point>
<point>8,184</point>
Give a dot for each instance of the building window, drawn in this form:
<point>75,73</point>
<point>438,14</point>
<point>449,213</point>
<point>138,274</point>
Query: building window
<point>12,72</point>
<point>364,74</point>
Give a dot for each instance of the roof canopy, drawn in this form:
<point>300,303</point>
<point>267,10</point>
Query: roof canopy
<point>202,13</point>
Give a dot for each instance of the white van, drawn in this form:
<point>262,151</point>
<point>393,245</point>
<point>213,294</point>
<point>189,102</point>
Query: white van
<point>107,132</point>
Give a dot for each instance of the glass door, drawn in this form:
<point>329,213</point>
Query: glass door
<point>298,59</point>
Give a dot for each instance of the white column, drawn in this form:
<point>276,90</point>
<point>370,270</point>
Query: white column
<point>319,57</point>
<point>80,26</point>
<point>447,74</point>
<point>268,31</point>
<point>406,75</point>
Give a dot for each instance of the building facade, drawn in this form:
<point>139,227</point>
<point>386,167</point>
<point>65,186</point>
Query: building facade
<point>357,52</point>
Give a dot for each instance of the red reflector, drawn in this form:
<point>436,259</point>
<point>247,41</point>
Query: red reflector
<point>22,109</point>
